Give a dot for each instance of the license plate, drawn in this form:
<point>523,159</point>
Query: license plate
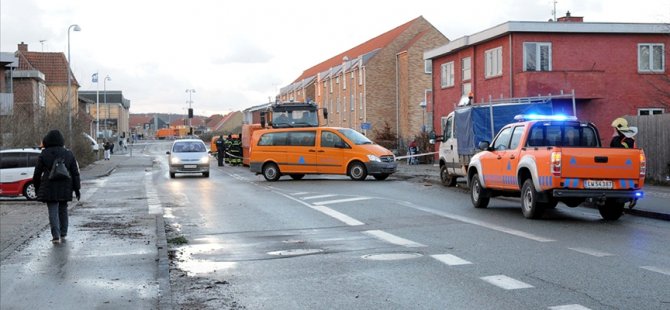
<point>190,166</point>
<point>598,184</point>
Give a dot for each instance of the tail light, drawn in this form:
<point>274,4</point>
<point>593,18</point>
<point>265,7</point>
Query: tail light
<point>556,163</point>
<point>643,165</point>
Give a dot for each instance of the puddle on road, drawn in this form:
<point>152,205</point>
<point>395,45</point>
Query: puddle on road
<point>391,256</point>
<point>295,252</point>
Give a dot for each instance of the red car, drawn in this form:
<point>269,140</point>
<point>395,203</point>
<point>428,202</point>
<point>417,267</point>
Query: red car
<point>16,172</point>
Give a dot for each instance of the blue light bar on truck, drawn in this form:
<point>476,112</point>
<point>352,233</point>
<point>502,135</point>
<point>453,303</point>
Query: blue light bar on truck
<point>539,117</point>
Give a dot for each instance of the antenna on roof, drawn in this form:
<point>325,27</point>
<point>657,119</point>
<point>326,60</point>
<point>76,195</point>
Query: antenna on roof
<point>42,42</point>
<point>553,12</point>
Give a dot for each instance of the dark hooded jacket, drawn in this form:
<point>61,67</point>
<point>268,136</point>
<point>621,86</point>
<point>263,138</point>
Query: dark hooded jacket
<point>56,190</point>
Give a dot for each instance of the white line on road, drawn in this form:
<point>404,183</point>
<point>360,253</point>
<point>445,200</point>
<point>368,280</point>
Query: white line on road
<point>319,196</point>
<point>300,193</point>
<point>569,307</point>
<point>341,200</point>
<point>467,220</point>
<point>450,260</point>
<point>505,282</point>
<point>325,210</point>
<point>591,252</point>
<point>665,271</point>
<point>393,239</point>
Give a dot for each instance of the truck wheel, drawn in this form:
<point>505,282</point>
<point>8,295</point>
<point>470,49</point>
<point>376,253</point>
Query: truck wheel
<point>447,180</point>
<point>172,175</point>
<point>29,191</point>
<point>271,172</point>
<point>479,195</point>
<point>357,171</point>
<point>611,210</point>
<point>297,176</point>
<point>529,206</point>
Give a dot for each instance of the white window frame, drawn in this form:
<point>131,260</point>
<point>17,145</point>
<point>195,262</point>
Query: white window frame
<point>466,71</point>
<point>447,74</point>
<point>651,62</point>
<point>428,66</point>
<point>650,111</point>
<point>538,56</point>
<point>494,62</point>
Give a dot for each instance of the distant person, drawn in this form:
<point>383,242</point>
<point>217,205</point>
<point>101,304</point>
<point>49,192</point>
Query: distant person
<point>107,149</point>
<point>219,150</point>
<point>623,135</point>
<point>111,148</point>
<point>56,192</point>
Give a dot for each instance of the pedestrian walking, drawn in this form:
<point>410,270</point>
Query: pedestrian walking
<point>107,149</point>
<point>56,176</point>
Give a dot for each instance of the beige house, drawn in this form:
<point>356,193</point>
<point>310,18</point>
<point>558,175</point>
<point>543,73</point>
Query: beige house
<point>382,81</point>
<point>114,112</point>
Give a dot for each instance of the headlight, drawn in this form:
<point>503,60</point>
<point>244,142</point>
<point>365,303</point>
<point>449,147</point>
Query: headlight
<point>204,160</point>
<point>175,160</point>
<point>374,158</point>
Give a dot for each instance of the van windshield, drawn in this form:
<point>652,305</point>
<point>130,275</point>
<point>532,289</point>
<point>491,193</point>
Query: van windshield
<point>355,136</point>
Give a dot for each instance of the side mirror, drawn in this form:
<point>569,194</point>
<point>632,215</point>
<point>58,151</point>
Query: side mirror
<point>483,145</point>
<point>167,153</point>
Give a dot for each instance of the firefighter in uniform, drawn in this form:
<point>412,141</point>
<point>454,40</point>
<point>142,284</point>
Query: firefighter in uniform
<point>623,135</point>
<point>219,150</point>
<point>236,151</point>
<point>226,148</point>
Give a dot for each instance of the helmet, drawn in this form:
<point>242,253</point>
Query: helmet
<point>620,123</point>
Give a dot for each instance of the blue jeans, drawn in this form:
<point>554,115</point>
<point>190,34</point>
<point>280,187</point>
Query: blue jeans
<point>58,218</point>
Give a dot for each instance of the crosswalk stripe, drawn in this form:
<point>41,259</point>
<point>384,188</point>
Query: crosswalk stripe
<point>450,260</point>
<point>591,252</point>
<point>339,216</point>
<point>569,307</point>
<point>505,282</point>
<point>665,271</point>
<point>341,200</point>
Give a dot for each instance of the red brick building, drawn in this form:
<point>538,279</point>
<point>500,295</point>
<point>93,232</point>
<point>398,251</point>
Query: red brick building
<point>382,80</point>
<point>615,69</point>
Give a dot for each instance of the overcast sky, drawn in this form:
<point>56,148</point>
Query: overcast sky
<point>237,54</point>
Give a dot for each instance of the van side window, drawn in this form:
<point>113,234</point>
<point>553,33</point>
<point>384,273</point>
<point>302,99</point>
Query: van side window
<point>502,141</point>
<point>447,128</point>
<point>302,138</point>
<point>273,139</point>
<point>329,139</point>
<point>13,160</point>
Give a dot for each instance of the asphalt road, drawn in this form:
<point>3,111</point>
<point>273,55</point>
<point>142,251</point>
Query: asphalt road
<point>330,242</point>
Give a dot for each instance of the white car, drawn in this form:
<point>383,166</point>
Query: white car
<point>188,156</point>
<point>16,172</point>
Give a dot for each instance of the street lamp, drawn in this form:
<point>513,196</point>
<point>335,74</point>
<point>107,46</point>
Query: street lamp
<point>190,111</point>
<point>69,77</point>
<point>104,87</point>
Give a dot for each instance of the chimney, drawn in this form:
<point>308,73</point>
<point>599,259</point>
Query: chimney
<point>23,47</point>
<point>568,18</point>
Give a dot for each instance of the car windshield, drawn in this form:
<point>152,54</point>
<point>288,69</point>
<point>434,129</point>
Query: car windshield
<point>186,147</point>
<point>355,136</point>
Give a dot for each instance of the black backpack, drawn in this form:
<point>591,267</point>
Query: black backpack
<point>59,170</point>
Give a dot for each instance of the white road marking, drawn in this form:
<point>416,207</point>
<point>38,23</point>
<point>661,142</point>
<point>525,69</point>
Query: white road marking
<point>341,200</point>
<point>591,252</point>
<point>337,215</point>
<point>300,193</point>
<point>665,271</point>
<point>393,239</point>
<point>569,307</point>
<point>467,220</point>
<point>153,202</point>
<point>505,282</point>
<point>325,210</point>
<point>319,196</point>
<point>450,260</point>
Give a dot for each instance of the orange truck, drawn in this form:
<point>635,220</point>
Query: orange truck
<point>550,159</point>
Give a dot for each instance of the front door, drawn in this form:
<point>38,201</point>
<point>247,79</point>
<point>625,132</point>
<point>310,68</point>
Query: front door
<point>331,153</point>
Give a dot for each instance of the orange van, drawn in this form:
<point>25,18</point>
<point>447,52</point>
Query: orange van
<point>321,150</point>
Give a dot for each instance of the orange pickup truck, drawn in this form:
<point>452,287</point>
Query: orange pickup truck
<point>548,160</point>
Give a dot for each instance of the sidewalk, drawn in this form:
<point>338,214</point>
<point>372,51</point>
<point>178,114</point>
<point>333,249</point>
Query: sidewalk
<point>113,257</point>
<point>651,205</point>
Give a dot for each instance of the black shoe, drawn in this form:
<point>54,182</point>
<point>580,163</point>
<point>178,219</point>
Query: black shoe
<point>55,241</point>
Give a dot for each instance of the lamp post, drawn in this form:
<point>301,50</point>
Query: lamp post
<point>190,111</point>
<point>104,87</point>
<point>69,77</point>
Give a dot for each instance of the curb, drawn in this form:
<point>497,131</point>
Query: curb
<point>164,289</point>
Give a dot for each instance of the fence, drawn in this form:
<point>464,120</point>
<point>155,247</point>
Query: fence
<point>654,137</point>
